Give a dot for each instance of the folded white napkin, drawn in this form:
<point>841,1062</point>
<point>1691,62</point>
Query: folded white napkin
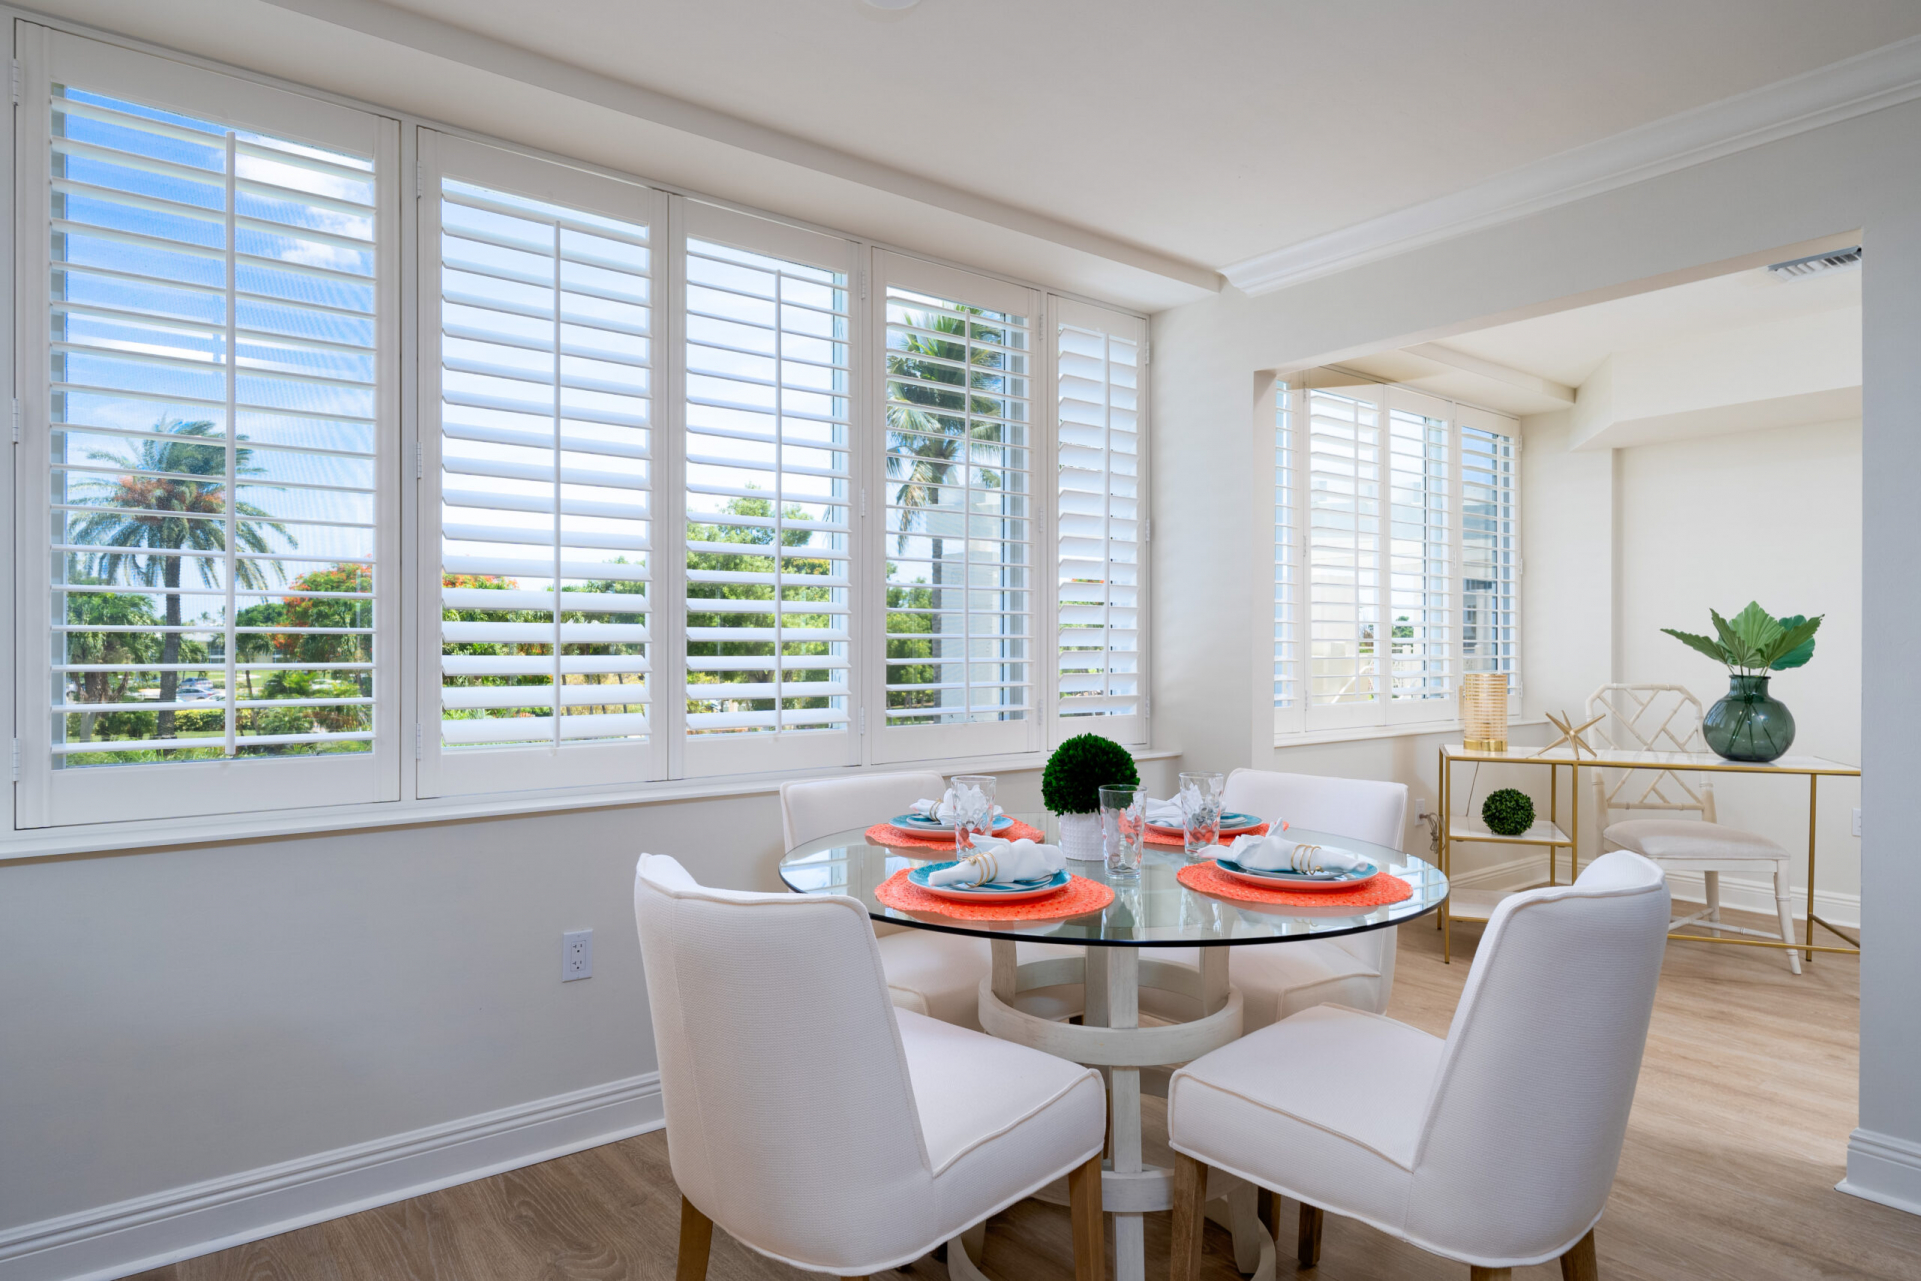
<point>1002,861</point>
<point>1164,813</point>
<point>945,809</point>
<point>1276,853</point>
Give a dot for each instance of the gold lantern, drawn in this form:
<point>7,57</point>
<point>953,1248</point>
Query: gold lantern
<point>1484,711</point>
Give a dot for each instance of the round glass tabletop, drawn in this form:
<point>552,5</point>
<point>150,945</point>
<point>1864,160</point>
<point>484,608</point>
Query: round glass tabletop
<point>1151,910</point>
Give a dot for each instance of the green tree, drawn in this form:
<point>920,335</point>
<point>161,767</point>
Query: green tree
<point>165,503</point>
<point>104,648</point>
<point>758,555</point>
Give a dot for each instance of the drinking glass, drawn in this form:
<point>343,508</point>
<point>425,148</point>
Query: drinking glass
<point>1201,812</point>
<point>973,809</point>
<point>1123,827</point>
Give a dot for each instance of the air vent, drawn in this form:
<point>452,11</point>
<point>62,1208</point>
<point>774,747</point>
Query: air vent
<point>1817,264</point>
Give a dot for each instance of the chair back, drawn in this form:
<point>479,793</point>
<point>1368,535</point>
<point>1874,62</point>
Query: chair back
<point>790,1115</point>
<point>1364,809</point>
<point>1530,1106</point>
<point>1648,718</point>
<point>813,808</point>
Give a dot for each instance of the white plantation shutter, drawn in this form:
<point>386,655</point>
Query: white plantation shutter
<point>1343,546</point>
<point>1490,545</point>
<point>209,433</point>
<point>957,534</point>
<point>1399,508</point>
<point>1099,513</point>
<point>1420,558</point>
<point>1287,553</point>
<point>768,495</point>
<point>540,328</point>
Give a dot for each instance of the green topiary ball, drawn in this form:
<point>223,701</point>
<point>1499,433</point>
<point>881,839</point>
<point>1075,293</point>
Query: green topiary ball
<point>1080,768</point>
<point>1508,812</point>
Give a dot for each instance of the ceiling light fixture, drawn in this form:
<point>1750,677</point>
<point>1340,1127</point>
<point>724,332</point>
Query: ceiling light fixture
<point>1816,264</point>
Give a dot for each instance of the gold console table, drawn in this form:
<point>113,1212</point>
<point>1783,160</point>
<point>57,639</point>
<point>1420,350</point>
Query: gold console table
<point>1478,905</point>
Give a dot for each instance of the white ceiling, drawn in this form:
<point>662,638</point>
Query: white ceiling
<point>1211,130</point>
<point>1568,346</point>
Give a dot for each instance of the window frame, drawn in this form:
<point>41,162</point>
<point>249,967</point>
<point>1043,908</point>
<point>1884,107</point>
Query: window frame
<point>160,791</point>
<point>406,664</point>
<point>1301,718</point>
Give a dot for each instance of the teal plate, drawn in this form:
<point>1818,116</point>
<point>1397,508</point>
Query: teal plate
<point>992,892</point>
<point>915,823</point>
<point>1295,880</point>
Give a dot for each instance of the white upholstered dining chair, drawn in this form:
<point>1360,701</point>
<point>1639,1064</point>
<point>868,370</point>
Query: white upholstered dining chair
<point>1279,979</point>
<point>1495,1147</point>
<point>822,1126</point>
<point>938,975</point>
<point>1667,718</point>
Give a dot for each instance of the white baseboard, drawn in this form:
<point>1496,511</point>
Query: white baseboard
<point>1737,893</point>
<point>1883,1169</point>
<point>164,1227</point>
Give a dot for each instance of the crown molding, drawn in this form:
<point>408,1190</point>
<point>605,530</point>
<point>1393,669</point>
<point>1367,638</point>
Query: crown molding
<point>1871,81</point>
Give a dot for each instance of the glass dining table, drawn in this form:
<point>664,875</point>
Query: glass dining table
<point>1194,1008</point>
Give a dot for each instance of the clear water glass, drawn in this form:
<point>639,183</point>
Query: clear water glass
<point>973,809</point>
<point>1123,828</point>
<point>1200,800</point>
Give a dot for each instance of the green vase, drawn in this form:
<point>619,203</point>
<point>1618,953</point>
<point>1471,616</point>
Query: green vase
<point>1749,724</point>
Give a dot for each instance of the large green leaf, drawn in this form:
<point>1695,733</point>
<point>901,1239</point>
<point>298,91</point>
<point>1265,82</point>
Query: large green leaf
<point>1703,644</point>
<point>1758,630</point>
<point>1796,645</point>
<point>1739,652</point>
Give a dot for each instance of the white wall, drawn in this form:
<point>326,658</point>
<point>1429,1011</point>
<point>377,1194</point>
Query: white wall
<point>1862,173</point>
<point>179,1016</point>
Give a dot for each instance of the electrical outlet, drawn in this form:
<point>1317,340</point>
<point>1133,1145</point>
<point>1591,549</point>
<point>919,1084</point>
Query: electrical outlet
<point>1420,808</point>
<point>576,955</point>
<point>1854,821</point>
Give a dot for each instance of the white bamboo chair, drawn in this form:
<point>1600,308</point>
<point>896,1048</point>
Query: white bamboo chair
<point>815,1121</point>
<point>1496,1147</point>
<point>938,975</point>
<point>1668,718</point>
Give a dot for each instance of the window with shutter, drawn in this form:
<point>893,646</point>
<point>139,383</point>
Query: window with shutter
<point>540,573</point>
<point>1397,509</point>
<point>1489,545</point>
<point>768,486</point>
<point>1099,510</point>
<point>208,440</point>
<point>958,515</point>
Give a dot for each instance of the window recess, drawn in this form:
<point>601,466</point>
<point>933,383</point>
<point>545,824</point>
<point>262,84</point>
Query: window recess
<point>537,528</point>
<point>207,441</point>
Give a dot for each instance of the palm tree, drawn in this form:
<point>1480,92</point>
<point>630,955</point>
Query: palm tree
<point>161,503</point>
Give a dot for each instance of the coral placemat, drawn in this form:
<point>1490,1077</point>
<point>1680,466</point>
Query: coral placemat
<point>888,834</point>
<point>1376,891</point>
<point>1179,842</point>
<point>1081,896</point>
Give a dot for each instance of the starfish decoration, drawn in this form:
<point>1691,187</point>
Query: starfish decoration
<point>1571,735</point>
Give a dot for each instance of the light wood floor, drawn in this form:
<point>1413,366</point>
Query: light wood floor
<point>1737,1138</point>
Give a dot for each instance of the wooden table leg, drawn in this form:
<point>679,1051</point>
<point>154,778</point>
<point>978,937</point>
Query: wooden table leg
<point>1123,977</point>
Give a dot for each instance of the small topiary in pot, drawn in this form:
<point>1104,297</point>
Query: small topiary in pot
<point>1508,812</point>
<point>1071,787</point>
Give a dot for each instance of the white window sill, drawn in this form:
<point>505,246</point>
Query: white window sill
<point>1360,733</point>
<point>96,838</point>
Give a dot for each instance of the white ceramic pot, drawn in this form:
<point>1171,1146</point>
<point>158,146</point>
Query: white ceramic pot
<point>1081,837</point>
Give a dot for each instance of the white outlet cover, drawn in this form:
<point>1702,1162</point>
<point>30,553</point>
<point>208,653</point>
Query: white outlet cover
<point>576,955</point>
<point>1854,821</point>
